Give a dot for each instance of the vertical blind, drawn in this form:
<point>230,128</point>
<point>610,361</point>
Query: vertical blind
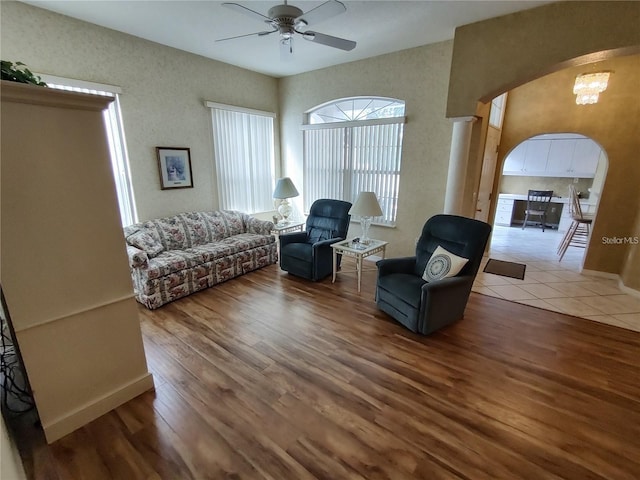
<point>340,162</point>
<point>244,157</point>
<point>115,138</point>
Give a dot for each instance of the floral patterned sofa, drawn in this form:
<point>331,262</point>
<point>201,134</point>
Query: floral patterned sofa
<point>175,256</point>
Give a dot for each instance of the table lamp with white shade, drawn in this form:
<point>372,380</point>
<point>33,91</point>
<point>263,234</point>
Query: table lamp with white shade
<point>366,207</point>
<point>285,189</point>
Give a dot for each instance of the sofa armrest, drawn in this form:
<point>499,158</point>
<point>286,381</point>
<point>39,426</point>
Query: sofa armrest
<point>257,226</point>
<point>294,237</point>
<point>389,266</point>
<point>137,258</point>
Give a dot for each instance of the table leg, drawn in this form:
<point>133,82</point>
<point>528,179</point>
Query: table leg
<point>359,268</point>
<point>335,265</point>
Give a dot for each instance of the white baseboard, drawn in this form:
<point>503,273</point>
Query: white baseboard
<point>628,290</point>
<point>613,276</point>
<point>596,273</point>
<point>66,424</point>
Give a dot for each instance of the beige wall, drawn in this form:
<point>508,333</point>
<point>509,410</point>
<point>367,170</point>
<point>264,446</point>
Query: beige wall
<point>162,100</point>
<point>560,186</point>
<point>631,271</point>
<point>418,76</point>
<point>495,55</point>
<point>547,105</point>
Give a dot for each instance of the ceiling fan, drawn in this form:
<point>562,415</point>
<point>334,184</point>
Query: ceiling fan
<point>288,20</point>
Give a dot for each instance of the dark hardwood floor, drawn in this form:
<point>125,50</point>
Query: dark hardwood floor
<point>272,377</point>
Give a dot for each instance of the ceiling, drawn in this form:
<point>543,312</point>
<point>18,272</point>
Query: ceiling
<point>378,27</point>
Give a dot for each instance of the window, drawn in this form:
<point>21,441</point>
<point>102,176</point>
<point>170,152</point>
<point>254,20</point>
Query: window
<point>496,113</point>
<point>353,145</point>
<point>243,146</point>
<point>115,139</point>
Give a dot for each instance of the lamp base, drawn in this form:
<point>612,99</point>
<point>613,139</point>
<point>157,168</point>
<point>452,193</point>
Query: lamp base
<point>284,209</point>
<point>365,222</point>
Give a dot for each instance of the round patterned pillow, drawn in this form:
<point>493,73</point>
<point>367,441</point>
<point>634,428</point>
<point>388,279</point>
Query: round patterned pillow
<point>438,267</point>
<point>443,264</point>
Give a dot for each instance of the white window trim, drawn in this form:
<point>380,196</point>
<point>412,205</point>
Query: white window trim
<point>233,108</point>
<point>354,123</point>
<point>72,82</point>
<point>123,174</point>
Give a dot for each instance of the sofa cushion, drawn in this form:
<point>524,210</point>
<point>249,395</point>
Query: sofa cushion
<point>234,221</point>
<point>170,262</point>
<point>196,229</point>
<point>211,251</point>
<point>145,241</point>
<point>172,232</point>
<point>247,241</point>
<point>216,225</point>
<point>175,260</point>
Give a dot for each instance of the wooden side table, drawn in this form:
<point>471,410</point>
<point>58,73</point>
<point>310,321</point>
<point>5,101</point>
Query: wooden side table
<point>357,251</point>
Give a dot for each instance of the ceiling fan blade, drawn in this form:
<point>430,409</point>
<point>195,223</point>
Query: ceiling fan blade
<point>259,34</point>
<point>322,12</point>
<point>330,41</point>
<point>246,11</point>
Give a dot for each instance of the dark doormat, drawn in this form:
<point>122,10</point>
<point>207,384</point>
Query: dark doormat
<point>506,269</point>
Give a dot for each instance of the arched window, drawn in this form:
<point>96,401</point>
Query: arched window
<point>353,145</point>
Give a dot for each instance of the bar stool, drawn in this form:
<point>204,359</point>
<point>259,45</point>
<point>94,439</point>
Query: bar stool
<point>578,232</point>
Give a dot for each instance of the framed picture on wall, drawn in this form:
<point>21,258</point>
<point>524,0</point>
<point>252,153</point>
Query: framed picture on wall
<point>174,164</point>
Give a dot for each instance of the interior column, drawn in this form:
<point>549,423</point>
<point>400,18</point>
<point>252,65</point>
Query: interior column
<point>458,158</point>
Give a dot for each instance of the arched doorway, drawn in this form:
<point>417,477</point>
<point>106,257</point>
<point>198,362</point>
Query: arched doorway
<point>548,162</point>
<point>521,55</point>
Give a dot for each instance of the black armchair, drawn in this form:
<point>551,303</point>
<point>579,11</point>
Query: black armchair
<point>308,254</point>
<point>421,306</point>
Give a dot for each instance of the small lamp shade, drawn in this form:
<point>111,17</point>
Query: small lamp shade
<point>366,205</point>
<point>285,189</point>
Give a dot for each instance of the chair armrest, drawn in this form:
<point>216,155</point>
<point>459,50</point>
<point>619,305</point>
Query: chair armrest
<point>447,286</point>
<point>388,266</point>
<point>137,258</point>
<point>329,241</point>
<point>443,302</point>
<point>294,237</point>
<point>260,227</point>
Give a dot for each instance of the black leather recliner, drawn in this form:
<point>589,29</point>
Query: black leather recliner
<point>426,307</point>
<point>308,254</point>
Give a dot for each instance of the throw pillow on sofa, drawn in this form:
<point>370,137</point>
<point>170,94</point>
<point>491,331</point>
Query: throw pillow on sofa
<point>146,242</point>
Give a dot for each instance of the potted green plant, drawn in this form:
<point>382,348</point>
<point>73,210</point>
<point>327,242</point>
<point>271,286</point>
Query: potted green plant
<point>18,72</point>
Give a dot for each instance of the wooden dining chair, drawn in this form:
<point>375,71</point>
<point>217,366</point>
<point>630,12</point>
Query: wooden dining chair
<point>538,202</point>
<point>578,232</point>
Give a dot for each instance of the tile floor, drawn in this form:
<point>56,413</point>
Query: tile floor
<point>553,285</point>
